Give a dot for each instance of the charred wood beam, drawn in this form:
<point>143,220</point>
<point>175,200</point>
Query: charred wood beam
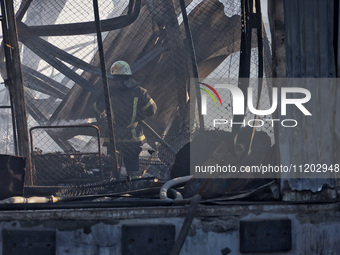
<point>194,84</point>
<point>15,78</point>
<point>49,104</point>
<point>130,8</point>
<point>112,149</point>
<point>148,57</point>
<point>178,8</point>
<point>62,143</point>
<point>88,27</point>
<point>51,83</point>
<point>66,80</point>
<point>25,4</point>
<point>36,84</point>
<point>166,19</point>
<point>267,55</point>
<point>245,55</point>
<point>33,108</point>
<point>79,63</point>
<point>58,90</point>
<point>19,15</point>
<point>250,20</point>
<point>117,46</point>
<point>6,54</point>
<point>259,27</point>
<point>78,47</point>
<point>277,29</point>
<point>56,52</point>
<point>61,67</point>
<point>246,35</point>
<point>77,99</point>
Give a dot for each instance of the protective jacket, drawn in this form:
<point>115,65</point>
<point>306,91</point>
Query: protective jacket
<point>130,104</point>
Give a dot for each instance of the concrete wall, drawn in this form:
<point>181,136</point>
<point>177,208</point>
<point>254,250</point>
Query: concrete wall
<point>315,228</point>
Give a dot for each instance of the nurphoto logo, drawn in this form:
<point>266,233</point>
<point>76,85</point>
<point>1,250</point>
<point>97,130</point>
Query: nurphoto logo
<point>238,104</point>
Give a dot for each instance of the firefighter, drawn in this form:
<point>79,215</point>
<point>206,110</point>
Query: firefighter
<point>130,104</point>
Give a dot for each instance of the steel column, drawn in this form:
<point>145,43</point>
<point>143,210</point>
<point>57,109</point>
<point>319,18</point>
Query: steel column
<point>112,145</point>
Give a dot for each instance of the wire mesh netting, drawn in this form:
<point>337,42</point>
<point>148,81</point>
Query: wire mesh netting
<point>6,124</point>
<point>63,83</point>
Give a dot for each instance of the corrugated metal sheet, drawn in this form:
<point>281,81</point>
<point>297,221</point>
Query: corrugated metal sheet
<point>309,29</point>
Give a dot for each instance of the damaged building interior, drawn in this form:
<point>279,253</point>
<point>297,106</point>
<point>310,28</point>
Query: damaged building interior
<point>109,107</point>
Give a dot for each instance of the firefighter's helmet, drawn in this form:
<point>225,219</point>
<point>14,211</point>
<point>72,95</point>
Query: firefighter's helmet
<point>120,68</point>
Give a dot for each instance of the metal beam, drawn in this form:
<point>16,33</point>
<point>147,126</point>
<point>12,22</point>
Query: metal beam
<point>59,66</point>
<point>16,82</point>
<point>112,145</point>
<point>51,83</point>
<point>36,84</point>
<point>194,67</point>
<point>88,27</point>
<point>245,55</point>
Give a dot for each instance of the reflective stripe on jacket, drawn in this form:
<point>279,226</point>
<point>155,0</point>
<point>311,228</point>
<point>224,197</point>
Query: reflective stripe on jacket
<point>129,105</point>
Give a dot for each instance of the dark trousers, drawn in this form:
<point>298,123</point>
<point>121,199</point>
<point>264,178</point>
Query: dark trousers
<point>130,154</point>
